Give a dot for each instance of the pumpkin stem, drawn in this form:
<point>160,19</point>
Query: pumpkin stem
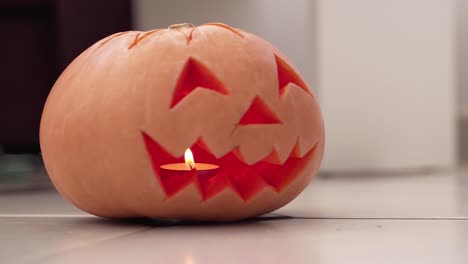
<point>181,25</point>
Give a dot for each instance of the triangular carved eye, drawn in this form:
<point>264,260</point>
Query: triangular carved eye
<point>287,75</point>
<point>259,113</point>
<point>196,75</point>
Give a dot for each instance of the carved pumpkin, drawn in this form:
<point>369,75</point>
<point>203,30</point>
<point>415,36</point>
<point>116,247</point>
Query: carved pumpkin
<point>137,100</point>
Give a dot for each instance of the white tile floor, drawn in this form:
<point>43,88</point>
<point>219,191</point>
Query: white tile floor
<point>366,219</point>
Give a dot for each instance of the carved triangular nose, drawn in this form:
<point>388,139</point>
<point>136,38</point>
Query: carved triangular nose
<point>259,113</point>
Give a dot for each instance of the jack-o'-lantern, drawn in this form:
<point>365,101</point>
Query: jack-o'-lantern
<point>136,101</point>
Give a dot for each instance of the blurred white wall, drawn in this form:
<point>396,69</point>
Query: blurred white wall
<point>462,56</point>
<point>384,69</point>
<point>462,71</point>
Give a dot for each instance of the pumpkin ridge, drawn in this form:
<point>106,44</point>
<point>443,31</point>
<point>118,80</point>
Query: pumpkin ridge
<point>112,37</point>
<point>190,35</point>
<point>140,36</point>
<point>221,25</point>
<point>135,40</point>
<point>185,35</point>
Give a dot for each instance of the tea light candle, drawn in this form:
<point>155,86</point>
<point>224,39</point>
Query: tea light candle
<point>201,169</point>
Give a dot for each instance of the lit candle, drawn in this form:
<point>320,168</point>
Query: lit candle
<point>201,169</point>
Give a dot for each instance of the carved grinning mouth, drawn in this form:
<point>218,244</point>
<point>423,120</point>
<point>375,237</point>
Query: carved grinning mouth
<point>246,180</point>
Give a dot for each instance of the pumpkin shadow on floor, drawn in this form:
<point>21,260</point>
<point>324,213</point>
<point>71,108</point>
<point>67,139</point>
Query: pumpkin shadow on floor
<point>152,222</point>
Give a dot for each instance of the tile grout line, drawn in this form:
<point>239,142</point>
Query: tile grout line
<point>459,218</point>
<point>45,215</point>
<point>62,252</point>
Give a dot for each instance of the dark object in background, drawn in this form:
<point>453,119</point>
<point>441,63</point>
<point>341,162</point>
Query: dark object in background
<point>39,39</point>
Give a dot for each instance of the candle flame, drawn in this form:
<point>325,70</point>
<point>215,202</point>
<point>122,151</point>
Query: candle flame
<point>189,160</point>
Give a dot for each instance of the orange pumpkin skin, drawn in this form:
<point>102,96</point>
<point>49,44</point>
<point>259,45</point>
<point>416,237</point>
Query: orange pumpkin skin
<point>136,100</point>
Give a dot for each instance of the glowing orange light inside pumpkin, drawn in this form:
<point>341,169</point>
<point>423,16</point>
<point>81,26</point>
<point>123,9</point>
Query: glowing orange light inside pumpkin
<point>189,160</point>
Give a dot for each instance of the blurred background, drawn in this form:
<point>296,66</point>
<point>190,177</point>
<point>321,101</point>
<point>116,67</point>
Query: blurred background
<point>391,76</point>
